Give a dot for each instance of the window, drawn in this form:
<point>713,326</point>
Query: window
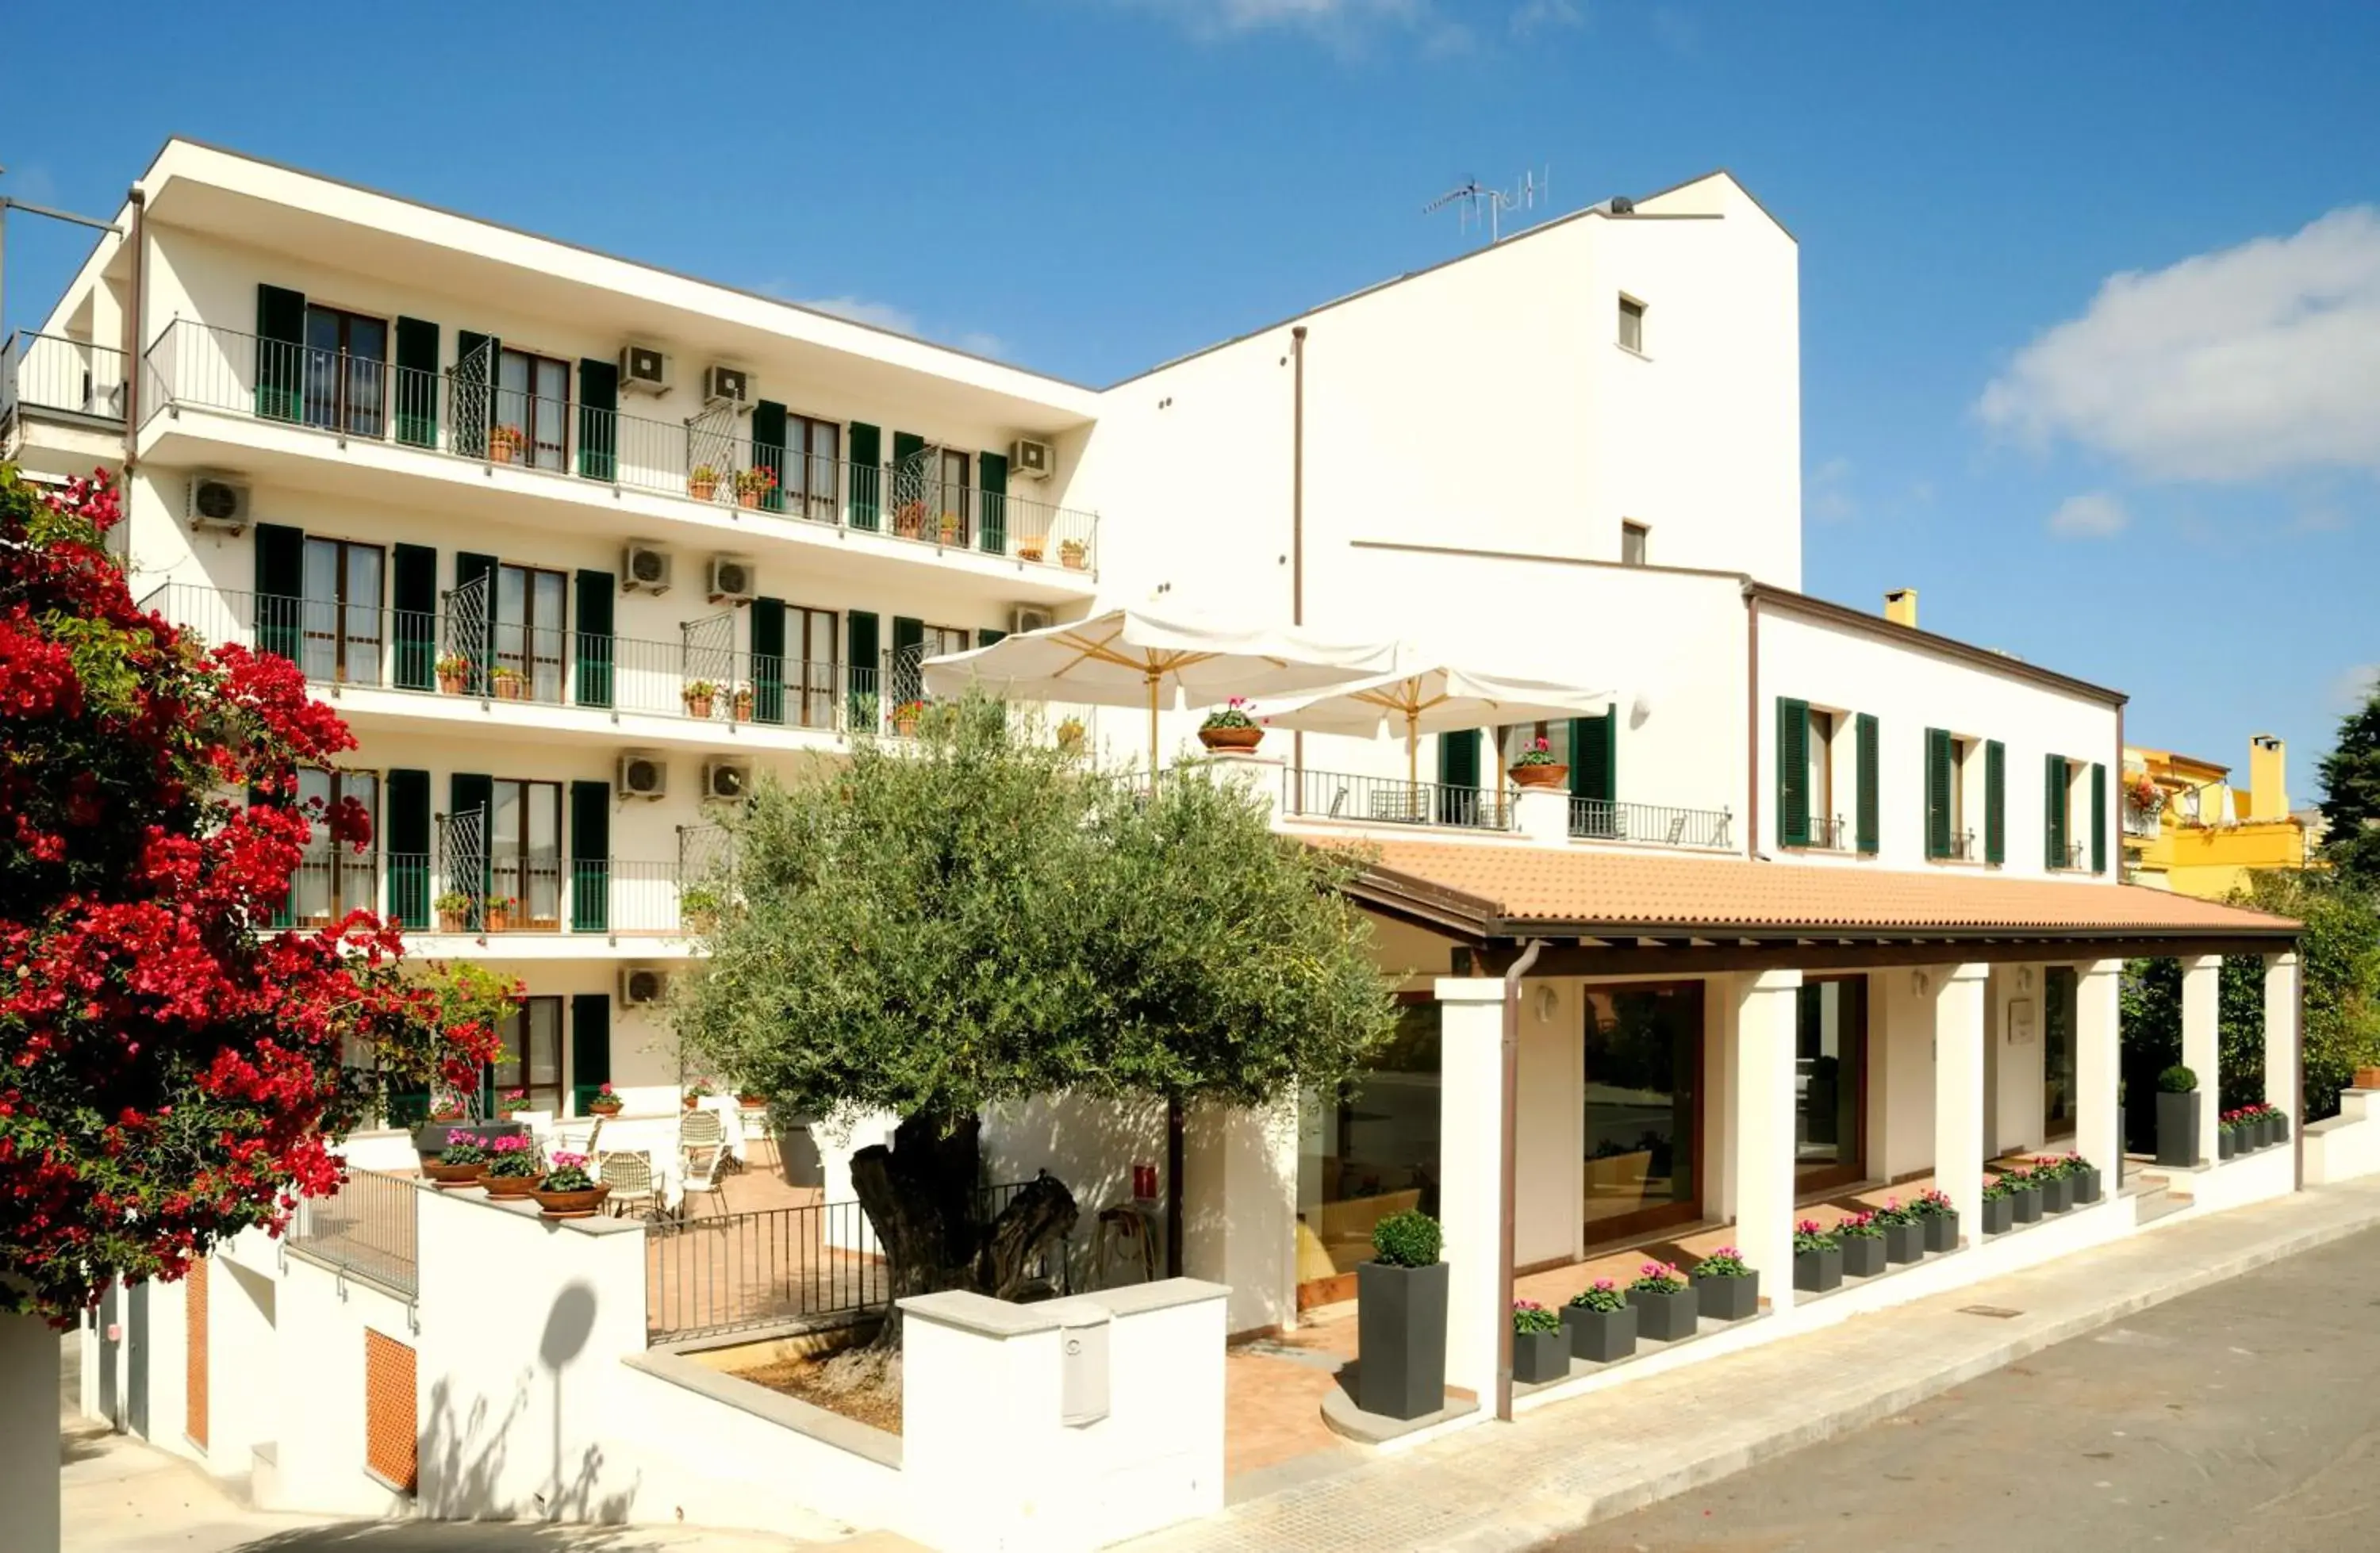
<point>1829,1080</point>
<point>1367,1148</point>
<point>332,879</point>
<point>339,618</point>
<point>531,622</point>
<point>533,400</point>
<point>524,857</point>
<point>1949,832</point>
<point>2061,1004</point>
<point>1631,325</point>
<point>345,355</point>
<point>810,642</point>
<point>1643,1052</point>
<point>956,477</point>
<point>1825,825</point>
<point>813,455</point>
<point>533,1059</point>
<point>1633,536</point>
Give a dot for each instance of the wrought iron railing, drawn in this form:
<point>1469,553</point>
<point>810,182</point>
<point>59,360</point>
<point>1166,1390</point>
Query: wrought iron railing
<point>710,456</point>
<point>1392,800</point>
<point>1661,825</point>
<point>71,377</point>
<point>2142,824</point>
<point>1959,848</point>
<point>450,892</point>
<point>367,1228</point>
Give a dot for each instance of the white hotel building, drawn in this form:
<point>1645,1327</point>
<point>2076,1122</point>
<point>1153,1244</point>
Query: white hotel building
<point>1832,900</point>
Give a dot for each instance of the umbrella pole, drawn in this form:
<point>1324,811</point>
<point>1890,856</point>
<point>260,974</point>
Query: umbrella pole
<point>1412,765</point>
<point>1153,678</point>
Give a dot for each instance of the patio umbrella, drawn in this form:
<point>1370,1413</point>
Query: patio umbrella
<point>1128,658</point>
<point>1428,702</point>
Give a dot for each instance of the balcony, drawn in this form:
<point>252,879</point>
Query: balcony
<point>60,402</point>
<point>1659,825</point>
<point>705,464</point>
<point>1392,801</point>
<point>2141,824</point>
<point>536,904</point>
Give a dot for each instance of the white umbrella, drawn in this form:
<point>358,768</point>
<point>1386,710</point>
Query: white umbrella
<point>1126,658</point>
<point>1428,702</point>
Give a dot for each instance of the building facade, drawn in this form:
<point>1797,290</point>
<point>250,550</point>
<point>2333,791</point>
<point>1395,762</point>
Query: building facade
<point>2188,828</point>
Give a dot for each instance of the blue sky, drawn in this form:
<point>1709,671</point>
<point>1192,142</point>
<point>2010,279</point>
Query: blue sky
<point>2169,483</point>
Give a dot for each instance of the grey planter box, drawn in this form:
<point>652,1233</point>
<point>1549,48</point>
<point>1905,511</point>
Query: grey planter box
<point>1814,1272</point>
<point>1401,1340</point>
<point>1999,1215</point>
<point>1601,1337</point>
<point>2176,1129</point>
<point>2281,1127</point>
<point>429,1137</point>
<point>2267,1131</point>
<point>1538,1357</point>
<point>2026,1200</point>
<point>2087,1186</point>
<point>1863,1255</point>
<point>2058,1194</point>
<point>1666,1318</point>
<point>1941,1232</point>
<point>1728,1299</point>
<point>1905,1243</point>
<point>2227,1142</point>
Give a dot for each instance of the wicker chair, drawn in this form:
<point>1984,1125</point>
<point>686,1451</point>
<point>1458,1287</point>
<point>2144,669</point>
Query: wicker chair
<point>630,1174</point>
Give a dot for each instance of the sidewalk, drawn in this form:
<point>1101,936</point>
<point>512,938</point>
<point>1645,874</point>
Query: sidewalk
<point>1555,1471</point>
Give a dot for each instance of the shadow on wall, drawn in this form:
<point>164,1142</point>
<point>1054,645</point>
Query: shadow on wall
<point>400,1536</point>
<point>1091,1146</point>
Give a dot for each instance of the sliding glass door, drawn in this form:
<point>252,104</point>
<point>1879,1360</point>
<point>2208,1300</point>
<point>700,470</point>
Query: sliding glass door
<point>1644,1101</point>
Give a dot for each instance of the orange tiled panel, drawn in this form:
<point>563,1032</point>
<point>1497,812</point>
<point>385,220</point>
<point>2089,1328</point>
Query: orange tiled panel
<point>194,1358</point>
<point>390,1442</point>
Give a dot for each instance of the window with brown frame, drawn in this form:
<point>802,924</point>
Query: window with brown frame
<point>1644,1096</point>
<point>532,629</point>
<point>812,642</point>
<point>339,616</point>
<point>332,879</point>
<point>532,1060</point>
<point>525,856</point>
<point>346,361</point>
<point>814,468</point>
<point>1830,1082</point>
<point>533,401</point>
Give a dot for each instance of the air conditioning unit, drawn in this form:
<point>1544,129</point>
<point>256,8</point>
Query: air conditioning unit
<point>726,782</point>
<point>727,385</point>
<point>217,504</point>
<point>1032,459</point>
<point>644,773</point>
<point>1029,617</point>
<point>733,579</point>
<point>644,568</point>
<point>642,985</point>
<point>644,369</point>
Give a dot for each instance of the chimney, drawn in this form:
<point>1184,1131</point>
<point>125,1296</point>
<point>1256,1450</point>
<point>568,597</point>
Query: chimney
<point>1900,607</point>
<point>2268,796</point>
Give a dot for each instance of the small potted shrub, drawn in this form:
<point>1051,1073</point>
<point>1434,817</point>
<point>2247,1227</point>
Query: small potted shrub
<point>2085,1176</point>
<point>751,1099</point>
<point>1072,554</point>
<point>699,695</point>
<point>1862,1239</point>
<point>1601,1323</point>
<point>504,444</point>
<point>1400,1320</point>
<point>1904,1237</point>
<point>2367,1079</point>
<point>950,527</point>
<point>2279,1120</point>
<point>753,484</point>
<point>500,909</point>
<point>698,907</point>
<point>1070,737</point>
<point>1726,1289</point>
<point>453,909</point>
<point>1999,1209</point>
<point>696,1092</point>
<point>739,705</point>
<point>604,1101</point>
<point>454,672</point>
<point>2025,1195</point>
<point>1668,1308</point>
<point>1939,1220</point>
<point>2057,1187</point>
<point>507,683</point>
<point>2176,1117</point>
<point>567,1191</point>
<point>2227,1134</point>
<point>1231,726</point>
<point>459,1163</point>
<point>702,482</point>
<point>513,1104</point>
<point>1540,1347</point>
<point>1537,766</point>
<point>905,718</point>
<point>1817,1258</point>
<point>909,520</point>
<point>513,1168</point>
<point>1032,547</point>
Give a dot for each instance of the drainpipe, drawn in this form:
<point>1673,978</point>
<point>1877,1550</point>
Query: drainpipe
<point>1297,520</point>
<point>136,314</point>
<point>1507,1166</point>
<point>1751,723</point>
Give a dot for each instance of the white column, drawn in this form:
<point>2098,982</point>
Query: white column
<point>28,1432</point>
<point>2098,1124</point>
<point>1239,1188</point>
<point>1470,1193</point>
<point>1760,1114</point>
<point>2283,1086</point>
<point>1542,814</point>
<point>2202,1042</point>
<point>1261,777</point>
<point>1958,1098</point>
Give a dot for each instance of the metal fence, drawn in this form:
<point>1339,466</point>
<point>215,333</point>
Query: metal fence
<point>368,1228</point>
<point>1604,819</point>
<point>52,372</point>
<point>1342,796</point>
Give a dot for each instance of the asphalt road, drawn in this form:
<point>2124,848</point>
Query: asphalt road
<point>2244,1416</point>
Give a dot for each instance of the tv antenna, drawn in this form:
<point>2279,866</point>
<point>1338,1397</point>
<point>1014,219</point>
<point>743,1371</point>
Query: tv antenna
<point>1478,205</point>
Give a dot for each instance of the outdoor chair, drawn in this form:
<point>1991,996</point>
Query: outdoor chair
<point>702,1168</point>
<point>630,1174</point>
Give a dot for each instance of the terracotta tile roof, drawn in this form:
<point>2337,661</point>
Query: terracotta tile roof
<point>1653,895</point>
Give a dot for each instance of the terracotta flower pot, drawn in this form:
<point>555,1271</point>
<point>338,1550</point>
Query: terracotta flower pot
<point>747,499</point>
<point>691,1102</point>
<point>1231,738</point>
<point>509,1186</point>
<point>500,453</point>
<point>1030,550</point>
<point>571,1204</point>
<point>1540,776</point>
<point>451,1177</point>
<point>2367,1079</point>
<point>450,685</point>
<point>905,727</point>
<point>450,921</point>
<point>1073,557</point>
<point>698,706</point>
<point>603,1108</point>
<point>499,920</point>
<point>741,708</point>
<point>508,690</point>
<point>703,490</point>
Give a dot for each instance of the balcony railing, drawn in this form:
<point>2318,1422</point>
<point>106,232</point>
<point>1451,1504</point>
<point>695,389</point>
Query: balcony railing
<point>368,1228</point>
<point>463,413</point>
<point>485,892</point>
<point>1605,819</point>
<point>1959,848</point>
<point>2143,824</point>
<point>455,652</point>
<point>69,377</point>
<point>1392,800</point>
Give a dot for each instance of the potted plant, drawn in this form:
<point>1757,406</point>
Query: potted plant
<point>1862,1239</point>
<point>753,484</point>
<point>515,1167</point>
<point>751,1099</point>
<point>1601,1323</point>
<point>507,683</point>
<point>1817,1258</point>
<point>499,915</point>
<point>459,1163</point>
<point>739,705</point>
<point>699,694</point>
<point>698,907</point>
<point>702,482</point>
<point>1668,1308</point>
<point>2279,1120</point>
<point>950,528</point>
<point>567,1191</point>
<point>2367,1079</point>
<point>454,672</point>
<point>2085,1176</point>
<point>1537,767</point>
<point>1072,554</point>
<point>1032,547</point>
<point>905,718</point>
<point>1904,1237</point>
<point>2176,1117</point>
<point>2227,1134</point>
<point>1940,1219</point>
<point>1999,1209</point>
<point>604,1101</point>
<point>513,1104</point>
<point>453,909</point>
<point>2057,1187</point>
<point>1231,726</point>
<point>1070,737</point>
<point>1540,1347</point>
<point>1728,1290</point>
<point>2025,1195</point>
<point>909,520</point>
<point>696,1092</point>
<point>1400,1320</point>
<point>504,443</point>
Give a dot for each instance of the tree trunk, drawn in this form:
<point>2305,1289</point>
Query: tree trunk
<point>1042,1212</point>
<point>28,1432</point>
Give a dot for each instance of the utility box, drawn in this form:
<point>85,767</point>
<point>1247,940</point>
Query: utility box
<point>1083,1368</point>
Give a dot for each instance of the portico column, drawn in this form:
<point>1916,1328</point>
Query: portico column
<point>2284,1088</point>
<point>1471,1183</point>
<point>1761,1117</point>
<point>1959,1090</point>
<point>2202,1041</point>
<point>2098,1068</point>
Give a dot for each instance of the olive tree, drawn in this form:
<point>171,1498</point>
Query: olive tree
<point>974,917</point>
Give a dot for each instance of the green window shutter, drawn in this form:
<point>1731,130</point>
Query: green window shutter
<point>413,611</point>
<point>867,688</point>
<point>590,856</point>
<point>1792,772</point>
<point>591,1048</point>
<point>467,793</point>
<point>2098,818</point>
<point>405,841</point>
<point>1937,793</point>
<point>992,474</point>
<point>471,401</point>
<point>599,419</point>
<point>1458,776</point>
<point>1867,755</point>
<point>985,637</point>
<point>905,446</point>
<point>768,659</point>
<point>1595,772</point>
<point>417,382</point>
<point>2053,810</point>
<point>280,352</point>
<point>280,587</point>
<point>908,651</point>
<point>866,484</point>
<point>596,653</point>
<point>470,568</point>
<point>1995,802</point>
<point>769,450</point>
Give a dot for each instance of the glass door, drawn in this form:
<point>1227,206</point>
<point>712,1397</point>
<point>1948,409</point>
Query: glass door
<point>1365,1150</point>
<point>2059,1006</point>
<point>812,633</point>
<point>1644,1099</point>
<point>525,849</point>
<point>533,1056</point>
<point>534,407</point>
<point>954,492</point>
<point>813,456</point>
<point>332,879</point>
<point>1829,1082</point>
<point>340,619</point>
<point>531,631</point>
<point>346,357</point>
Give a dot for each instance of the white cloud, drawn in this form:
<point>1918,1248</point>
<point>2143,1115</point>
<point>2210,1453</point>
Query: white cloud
<point>1533,17</point>
<point>1825,492</point>
<point>2094,515</point>
<point>860,309</point>
<point>2354,685</point>
<point>1345,25</point>
<point>2248,361</point>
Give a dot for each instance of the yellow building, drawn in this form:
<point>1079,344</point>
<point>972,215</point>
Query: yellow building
<point>2188,828</point>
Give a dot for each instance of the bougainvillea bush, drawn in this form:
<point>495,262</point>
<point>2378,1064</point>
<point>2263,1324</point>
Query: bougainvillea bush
<point>171,1069</point>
